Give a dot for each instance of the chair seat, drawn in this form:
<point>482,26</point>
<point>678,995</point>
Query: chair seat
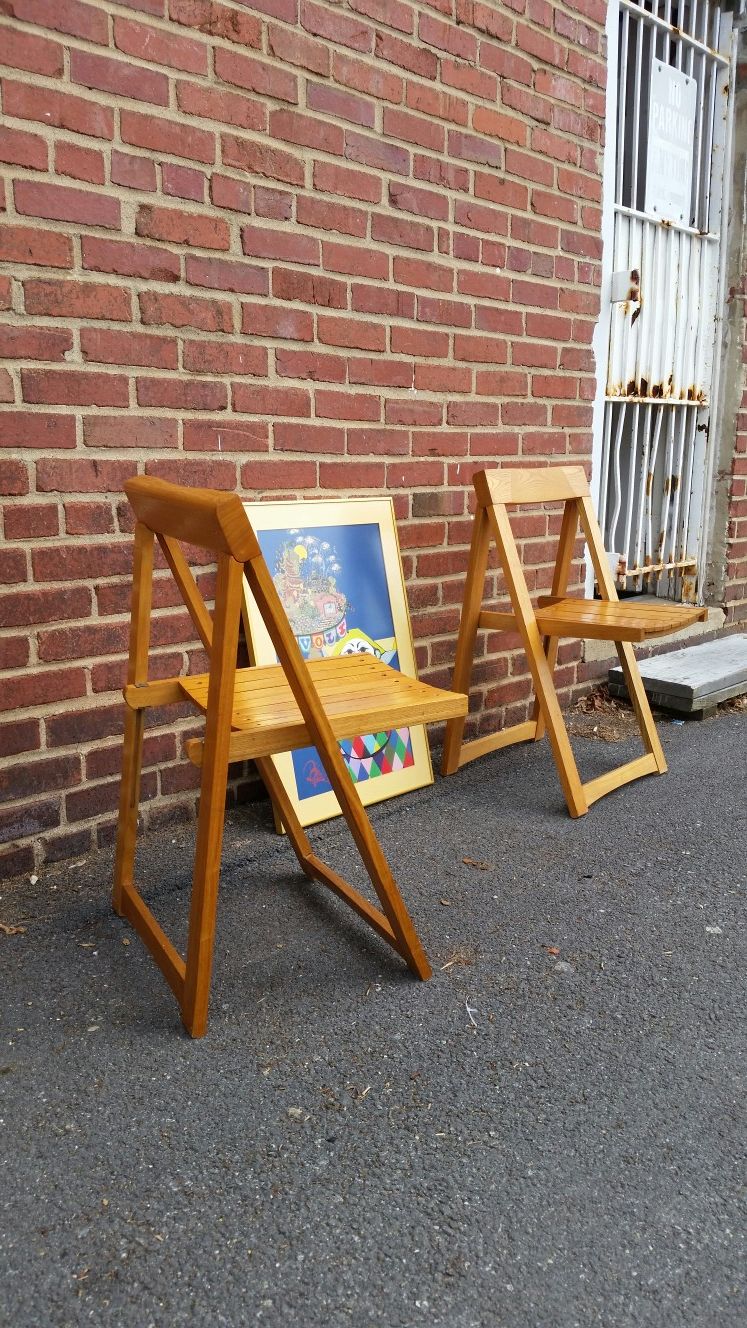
<point>613,620</point>
<point>359,694</point>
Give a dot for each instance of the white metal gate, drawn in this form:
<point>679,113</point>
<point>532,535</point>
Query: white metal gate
<point>671,132</point>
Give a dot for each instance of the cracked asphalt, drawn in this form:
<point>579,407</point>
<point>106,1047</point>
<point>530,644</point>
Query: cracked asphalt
<point>548,1134</point>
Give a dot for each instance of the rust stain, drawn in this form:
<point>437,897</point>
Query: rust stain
<point>649,485</point>
<point>637,314</point>
<point>632,388</point>
<point>675,479</point>
<point>644,387</point>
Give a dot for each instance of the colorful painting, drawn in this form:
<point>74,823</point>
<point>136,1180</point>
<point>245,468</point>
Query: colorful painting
<point>337,571</point>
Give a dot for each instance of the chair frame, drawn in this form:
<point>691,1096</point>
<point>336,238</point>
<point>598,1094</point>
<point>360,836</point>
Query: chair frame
<point>554,618</point>
<point>217,522</point>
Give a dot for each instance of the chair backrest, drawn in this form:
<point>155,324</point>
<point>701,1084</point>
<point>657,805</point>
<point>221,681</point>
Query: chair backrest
<point>204,517</point>
<point>546,484</point>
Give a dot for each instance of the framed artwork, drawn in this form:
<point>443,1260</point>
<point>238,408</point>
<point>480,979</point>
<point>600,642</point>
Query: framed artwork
<point>337,569</point>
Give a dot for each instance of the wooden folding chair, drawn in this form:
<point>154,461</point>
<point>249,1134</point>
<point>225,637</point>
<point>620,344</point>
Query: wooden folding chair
<point>606,619</point>
<point>250,713</point>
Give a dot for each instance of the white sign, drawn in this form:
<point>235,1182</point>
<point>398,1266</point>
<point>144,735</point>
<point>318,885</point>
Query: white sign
<point>671,142</point>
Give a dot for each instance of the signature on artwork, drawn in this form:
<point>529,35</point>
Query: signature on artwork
<point>313,774</point>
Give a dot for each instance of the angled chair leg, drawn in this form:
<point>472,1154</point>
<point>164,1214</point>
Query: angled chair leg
<point>465,649</point>
<point>129,799</point>
<point>211,816</point>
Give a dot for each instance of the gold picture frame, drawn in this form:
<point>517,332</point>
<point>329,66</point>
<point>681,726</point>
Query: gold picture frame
<point>337,568</point>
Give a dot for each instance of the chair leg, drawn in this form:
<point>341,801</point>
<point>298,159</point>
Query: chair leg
<point>129,799</point>
<point>640,702</point>
<point>465,649</point>
<point>208,845</point>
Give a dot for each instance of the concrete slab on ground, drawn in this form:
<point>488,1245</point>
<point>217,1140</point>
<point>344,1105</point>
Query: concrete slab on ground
<point>699,677</point>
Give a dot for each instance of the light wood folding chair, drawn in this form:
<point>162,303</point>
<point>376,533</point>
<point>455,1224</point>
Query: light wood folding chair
<point>250,713</point>
<point>556,616</point>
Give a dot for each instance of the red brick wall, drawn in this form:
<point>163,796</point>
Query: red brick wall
<point>289,246</point>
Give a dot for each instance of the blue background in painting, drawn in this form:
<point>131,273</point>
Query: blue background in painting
<point>362,580</point>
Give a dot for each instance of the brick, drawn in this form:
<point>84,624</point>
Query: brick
<point>167,136</point>
<point>224,357</point>
<point>379,372</point>
<point>128,259</point>
<point>26,244</point>
<point>405,234</point>
<point>224,275</point>
<point>23,429</point>
<point>186,311</point>
<point>78,20</point>
<point>183,182</point>
<point>219,104</point>
<point>228,435</point>
<point>266,242</point>
<point>14,480</point>
<point>176,227</point>
<point>31,778</point>
<point>123,431</point>
<point>294,49</point>
<point>80,163</point>
<point>311,365</point>
<point>176,394</point>
<point>480,218</point>
<point>377,154</point>
<point>265,79</point>
<point>73,387</point>
<point>213,474</point>
<point>329,178</point>
<point>355,261</point>
<point>77,299</point>
<point>441,173</point>
<point>19,148</point>
<point>31,521</point>
<point>266,320</point>
<point>136,348</point>
<point>60,203</point>
<point>147,42</point>
<point>22,50</point>
<point>119,77</point>
<point>89,519</point>
<point>7,390</point>
<point>260,399</point>
<point>27,608</point>
<point>76,475</point>
<point>406,55</point>
<point>346,406</point>
<point>377,300</point>
<point>433,102</point>
<point>451,312</point>
<point>21,736</point>
<point>370,79</point>
<point>334,217</point>
<point>336,27</point>
<point>309,288</point>
<point>261,159</point>
<point>308,438</point>
<point>341,105</point>
<point>421,202</point>
<point>411,412</point>
<point>307,131</point>
<point>352,475</point>
<point>217,20</point>
<point>417,342</point>
<point>58,109</point>
<point>227,192</point>
<point>377,442</point>
<point>494,124</point>
<point>258,476</point>
<point>423,273</point>
<point>359,335</point>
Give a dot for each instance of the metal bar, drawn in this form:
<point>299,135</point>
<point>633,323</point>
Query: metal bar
<point>621,108</point>
<point>688,480</point>
<point>682,425</point>
<point>666,493</point>
<point>656,401</point>
<point>650,484</point>
<point>671,225</point>
<point>632,450</point>
<point>618,488</point>
<point>665,25</point>
<point>608,411</point>
<point>636,115</point>
<point>638,554</point>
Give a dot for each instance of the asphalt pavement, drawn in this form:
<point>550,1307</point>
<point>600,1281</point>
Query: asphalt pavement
<point>548,1134</point>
